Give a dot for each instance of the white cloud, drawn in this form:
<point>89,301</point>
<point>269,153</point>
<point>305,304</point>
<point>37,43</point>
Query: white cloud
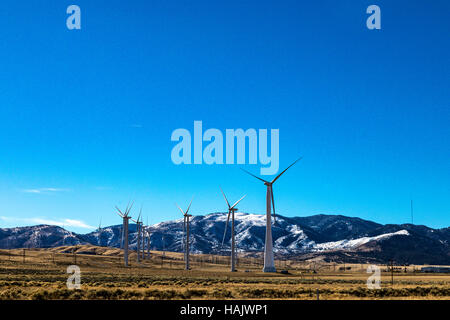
<point>65,222</point>
<point>44,190</point>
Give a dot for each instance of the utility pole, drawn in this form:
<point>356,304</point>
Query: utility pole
<point>392,272</point>
<point>164,250</point>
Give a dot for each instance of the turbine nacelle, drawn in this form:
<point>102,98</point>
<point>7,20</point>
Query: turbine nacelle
<point>127,211</point>
<point>269,184</point>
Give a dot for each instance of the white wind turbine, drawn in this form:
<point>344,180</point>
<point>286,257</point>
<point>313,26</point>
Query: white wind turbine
<point>100,233</point>
<point>231,210</point>
<point>147,230</point>
<point>269,264</point>
<point>186,216</point>
<point>146,249</point>
<point>125,217</point>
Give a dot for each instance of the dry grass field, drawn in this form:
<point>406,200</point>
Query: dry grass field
<point>42,274</point>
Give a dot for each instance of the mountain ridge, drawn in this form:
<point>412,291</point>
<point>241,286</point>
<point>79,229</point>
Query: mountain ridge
<point>325,235</point>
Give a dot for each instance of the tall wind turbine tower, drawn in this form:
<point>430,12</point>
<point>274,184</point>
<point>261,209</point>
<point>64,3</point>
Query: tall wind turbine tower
<point>231,210</point>
<point>125,216</point>
<point>147,236</point>
<point>100,233</point>
<point>147,229</point>
<point>186,223</point>
<point>144,238</point>
<point>139,230</point>
<point>269,263</point>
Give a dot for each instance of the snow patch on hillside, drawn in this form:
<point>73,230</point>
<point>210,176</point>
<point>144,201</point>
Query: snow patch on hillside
<point>354,243</point>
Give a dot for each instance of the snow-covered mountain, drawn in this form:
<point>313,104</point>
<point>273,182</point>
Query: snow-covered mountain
<point>324,235</point>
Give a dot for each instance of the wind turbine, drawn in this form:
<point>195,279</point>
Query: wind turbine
<point>186,216</point>
<point>231,210</point>
<point>147,230</point>
<point>139,230</point>
<point>125,216</point>
<point>100,233</point>
<point>269,264</point>
<point>121,237</point>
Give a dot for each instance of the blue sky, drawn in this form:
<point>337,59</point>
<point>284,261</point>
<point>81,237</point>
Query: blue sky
<point>86,115</point>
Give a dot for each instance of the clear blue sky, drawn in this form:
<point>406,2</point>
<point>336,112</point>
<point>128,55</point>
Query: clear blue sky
<point>86,116</point>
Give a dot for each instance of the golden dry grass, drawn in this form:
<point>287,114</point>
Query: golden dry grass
<point>42,275</point>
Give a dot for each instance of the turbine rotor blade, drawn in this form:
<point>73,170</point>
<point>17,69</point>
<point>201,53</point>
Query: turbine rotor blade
<point>276,178</point>
<point>189,205</point>
<point>139,217</point>
<point>126,208</point>
<point>182,212</point>
<point>255,176</point>
<point>226,227</point>
<point>129,209</point>
<point>225,198</point>
<point>121,214</point>
<point>237,202</point>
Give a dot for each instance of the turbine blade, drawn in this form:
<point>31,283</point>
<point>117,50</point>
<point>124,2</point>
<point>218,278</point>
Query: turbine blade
<point>182,212</point>
<point>189,205</point>
<point>276,178</point>
<point>225,198</point>
<point>126,208</point>
<point>237,202</point>
<point>254,175</point>
<point>119,210</point>
<point>129,209</point>
<point>226,227</point>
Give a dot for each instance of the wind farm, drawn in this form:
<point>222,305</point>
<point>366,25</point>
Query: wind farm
<point>232,150</point>
<point>146,262</point>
